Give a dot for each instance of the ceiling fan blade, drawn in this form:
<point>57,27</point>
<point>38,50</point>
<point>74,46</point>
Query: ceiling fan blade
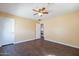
<point>45,12</point>
<point>43,8</point>
<point>35,10</point>
<point>35,13</point>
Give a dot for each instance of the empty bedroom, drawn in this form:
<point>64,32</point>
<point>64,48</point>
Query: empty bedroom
<point>39,29</point>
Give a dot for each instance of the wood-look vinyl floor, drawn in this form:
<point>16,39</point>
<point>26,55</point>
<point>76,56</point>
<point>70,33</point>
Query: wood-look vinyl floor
<point>38,48</point>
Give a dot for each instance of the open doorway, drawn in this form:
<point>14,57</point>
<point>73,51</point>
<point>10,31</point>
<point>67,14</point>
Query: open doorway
<point>39,31</point>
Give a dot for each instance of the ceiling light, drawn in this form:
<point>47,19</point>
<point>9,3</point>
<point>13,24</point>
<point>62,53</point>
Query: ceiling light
<point>40,14</point>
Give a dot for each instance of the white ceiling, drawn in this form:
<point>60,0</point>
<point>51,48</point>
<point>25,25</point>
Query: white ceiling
<point>25,9</point>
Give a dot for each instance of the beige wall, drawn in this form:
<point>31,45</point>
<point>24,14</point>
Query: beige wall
<point>24,27</point>
<point>25,30</point>
<point>63,29</point>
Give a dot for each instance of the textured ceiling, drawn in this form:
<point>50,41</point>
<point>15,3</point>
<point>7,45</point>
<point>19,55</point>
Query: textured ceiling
<point>25,9</point>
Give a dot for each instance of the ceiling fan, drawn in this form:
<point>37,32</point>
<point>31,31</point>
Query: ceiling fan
<point>41,11</point>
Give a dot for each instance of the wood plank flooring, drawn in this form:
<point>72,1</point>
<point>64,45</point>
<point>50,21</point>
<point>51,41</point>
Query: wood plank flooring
<point>38,48</point>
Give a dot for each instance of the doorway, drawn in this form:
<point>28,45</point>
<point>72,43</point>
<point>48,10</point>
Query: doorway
<point>39,31</point>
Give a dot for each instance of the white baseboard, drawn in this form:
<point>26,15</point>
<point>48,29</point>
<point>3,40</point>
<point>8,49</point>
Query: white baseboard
<point>22,41</point>
<point>16,42</point>
<point>63,43</point>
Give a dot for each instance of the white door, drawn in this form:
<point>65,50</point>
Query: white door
<point>37,31</point>
<point>8,35</point>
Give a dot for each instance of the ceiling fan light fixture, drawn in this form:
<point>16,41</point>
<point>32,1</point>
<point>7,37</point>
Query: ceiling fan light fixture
<point>40,14</point>
<point>41,11</point>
